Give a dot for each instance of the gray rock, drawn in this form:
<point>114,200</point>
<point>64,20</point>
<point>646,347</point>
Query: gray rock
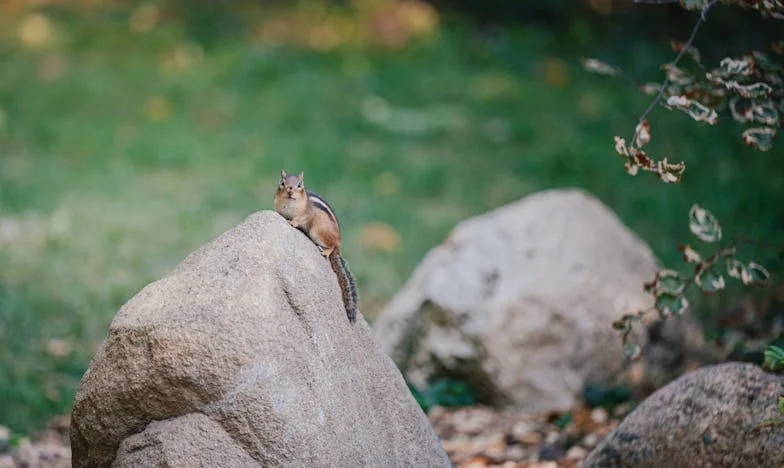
<point>243,355</point>
<point>704,418</point>
<point>182,441</point>
<point>519,301</point>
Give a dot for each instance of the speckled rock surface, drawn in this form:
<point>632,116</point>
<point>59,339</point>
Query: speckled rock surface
<point>704,418</point>
<point>245,351</point>
<point>518,302</point>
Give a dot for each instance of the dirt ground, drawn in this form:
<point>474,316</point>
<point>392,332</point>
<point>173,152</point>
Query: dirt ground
<point>473,437</point>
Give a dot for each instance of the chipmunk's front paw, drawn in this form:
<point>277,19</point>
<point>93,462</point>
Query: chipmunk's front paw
<point>294,224</point>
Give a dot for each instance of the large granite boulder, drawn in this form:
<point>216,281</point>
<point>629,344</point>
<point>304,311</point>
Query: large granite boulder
<point>519,303</point>
<point>709,417</point>
<point>243,356</point>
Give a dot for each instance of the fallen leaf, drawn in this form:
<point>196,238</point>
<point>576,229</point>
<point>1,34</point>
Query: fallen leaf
<point>157,108</point>
<point>476,462</point>
<point>555,73</point>
<point>144,18</point>
<point>35,30</point>
<point>531,438</point>
<point>59,347</point>
<point>379,236</point>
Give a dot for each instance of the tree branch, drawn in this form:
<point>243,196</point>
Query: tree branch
<point>741,240</point>
<point>678,57</point>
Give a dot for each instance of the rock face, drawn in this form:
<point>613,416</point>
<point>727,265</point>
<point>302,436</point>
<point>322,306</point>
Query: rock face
<point>519,301</point>
<point>704,418</point>
<point>243,356</point>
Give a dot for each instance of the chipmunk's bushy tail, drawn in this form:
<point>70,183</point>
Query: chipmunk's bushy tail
<point>348,287</point>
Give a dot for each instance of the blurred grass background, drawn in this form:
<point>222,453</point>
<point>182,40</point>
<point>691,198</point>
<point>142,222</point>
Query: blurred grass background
<point>132,133</point>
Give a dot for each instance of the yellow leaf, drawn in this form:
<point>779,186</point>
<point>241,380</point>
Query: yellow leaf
<point>35,30</point>
<point>144,18</point>
<point>420,17</point>
<point>555,73</point>
<point>157,108</point>
<point>379,236</point>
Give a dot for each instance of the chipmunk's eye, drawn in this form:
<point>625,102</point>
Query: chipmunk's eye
<point>299,185</point>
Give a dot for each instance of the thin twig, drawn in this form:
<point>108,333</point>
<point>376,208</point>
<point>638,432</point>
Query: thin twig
<point>678,57</point>
<point>740,240</point>
<point>699,269</point>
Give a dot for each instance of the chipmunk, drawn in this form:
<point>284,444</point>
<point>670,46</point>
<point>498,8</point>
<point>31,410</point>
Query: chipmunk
<point>308,212</point>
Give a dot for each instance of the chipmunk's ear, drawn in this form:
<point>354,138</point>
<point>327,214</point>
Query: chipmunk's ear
<point>302,176</point>
<point>282,173</point>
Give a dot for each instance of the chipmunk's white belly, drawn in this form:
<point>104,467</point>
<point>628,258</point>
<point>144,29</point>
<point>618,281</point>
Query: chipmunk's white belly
<point>287,208</point>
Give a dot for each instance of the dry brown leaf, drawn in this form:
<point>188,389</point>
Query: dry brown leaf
<point>57,347</point>
<point>35,30</point>
<point>379,236</point>
<point>476,462</point>
<point>555,73</point>
<point>531,438</point>
<point>496,447</point>
<point>157,108</point>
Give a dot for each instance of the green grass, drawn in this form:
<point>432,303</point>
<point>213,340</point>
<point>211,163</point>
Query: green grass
<point>114,166</point>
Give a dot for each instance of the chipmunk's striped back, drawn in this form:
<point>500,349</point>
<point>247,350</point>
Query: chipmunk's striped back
<point>322,205</point>
<point>346,280</point>
<point>305,210</point>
